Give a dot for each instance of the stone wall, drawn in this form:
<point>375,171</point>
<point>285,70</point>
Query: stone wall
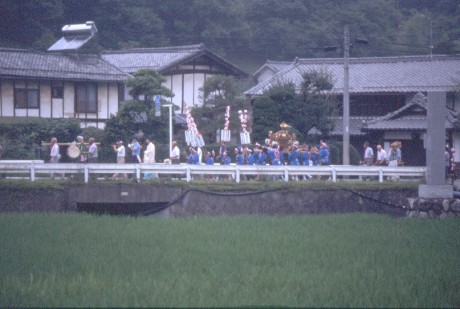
<point>285,202</point>
<point>433,208</point>
<point>33,200</point>
<point>193,202</point>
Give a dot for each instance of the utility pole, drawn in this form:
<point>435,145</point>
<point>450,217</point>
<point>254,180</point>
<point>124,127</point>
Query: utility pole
<point>346,97</point>
<point>170,106</point>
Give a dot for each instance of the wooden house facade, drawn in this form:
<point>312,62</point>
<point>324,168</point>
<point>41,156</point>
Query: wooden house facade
<point>90,87</point>
<point>184,67</point>
<point>381,87</point>
<point>59,85</point>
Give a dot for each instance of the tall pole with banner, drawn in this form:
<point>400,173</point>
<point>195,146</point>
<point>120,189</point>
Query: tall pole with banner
<point>170,125</point>
<point>346,98</point>
<point>157,106</point>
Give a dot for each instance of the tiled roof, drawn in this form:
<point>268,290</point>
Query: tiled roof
<point>63,66</point>
<point>376,74</point>
<point>355,124</point>
<point>403,119</point>
<point>163,58</point>
<point>275,66</point>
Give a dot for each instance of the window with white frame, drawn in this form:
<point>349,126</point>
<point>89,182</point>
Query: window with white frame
<point>86,98</point>
<point>26,94</point>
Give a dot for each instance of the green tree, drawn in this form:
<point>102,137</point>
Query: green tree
<point>415,33</point>
<point>217,93</point>
<point>246,32</point>
<point>148,83</point>
<point>129,24</point>
<point>138,117</point>
<point>265,118</point>
<point>311,106</point>
<point>23,23</point>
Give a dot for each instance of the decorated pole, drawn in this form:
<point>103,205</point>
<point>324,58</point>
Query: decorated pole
<point>192,135</point>
<point>225,134</point>
<point>244,134</point>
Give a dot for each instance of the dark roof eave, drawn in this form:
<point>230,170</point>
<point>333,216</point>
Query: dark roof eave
<point>205,52</point>
<point>449,126</point>
<point>77,79</point>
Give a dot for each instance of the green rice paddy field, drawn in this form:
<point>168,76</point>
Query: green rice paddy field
<point>347,260</point>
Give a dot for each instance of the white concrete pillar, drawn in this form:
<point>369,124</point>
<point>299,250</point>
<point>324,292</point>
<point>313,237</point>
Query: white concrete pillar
<point>435,141</point>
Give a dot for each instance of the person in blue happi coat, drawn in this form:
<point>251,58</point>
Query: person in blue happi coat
<point>323,153</point>
<point>293,156</point>
<point>193,157</point>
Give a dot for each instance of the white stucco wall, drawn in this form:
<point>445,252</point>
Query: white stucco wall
<point>61,108</point>
<point>177,90</point>
<point>189,89</point>
<point>69,100</point>
<point>57,108</point>
<point>45,100</point>
<point>113,99</point>
<point>199,82</point>
<point>7,93</point>
<point>102,100</point>
<point>264,75</point>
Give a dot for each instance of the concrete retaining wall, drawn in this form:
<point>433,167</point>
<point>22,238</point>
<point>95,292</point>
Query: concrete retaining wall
<point>198,203</point>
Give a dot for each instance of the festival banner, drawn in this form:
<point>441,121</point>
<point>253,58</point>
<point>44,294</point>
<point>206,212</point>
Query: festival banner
<point>192,136</point>
<point>244,134</point>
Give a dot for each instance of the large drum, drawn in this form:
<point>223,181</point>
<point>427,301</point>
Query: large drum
<point>73,152</point>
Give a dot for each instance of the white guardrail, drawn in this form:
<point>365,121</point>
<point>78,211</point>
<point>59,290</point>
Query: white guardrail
<point>33,168</point>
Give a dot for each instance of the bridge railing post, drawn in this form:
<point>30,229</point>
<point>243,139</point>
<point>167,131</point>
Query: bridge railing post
<point>32,172</point>
<point>85,170</point>
<point>188,175</point>
<point>334,174</point>
<point>138,173</point>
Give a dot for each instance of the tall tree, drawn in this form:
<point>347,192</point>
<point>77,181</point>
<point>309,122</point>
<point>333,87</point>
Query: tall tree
<point>218,92</point>
<point>148,83</point>
<point>22,23</point>
<point>139,115</point>
<point>302,110</point>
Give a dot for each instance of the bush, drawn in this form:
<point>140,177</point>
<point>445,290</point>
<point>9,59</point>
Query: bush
<point>22,138</point>
<point>336,154</point>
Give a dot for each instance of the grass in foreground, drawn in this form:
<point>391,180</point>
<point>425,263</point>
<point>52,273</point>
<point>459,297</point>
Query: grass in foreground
<point>352,260</point>
<point>209,185</point>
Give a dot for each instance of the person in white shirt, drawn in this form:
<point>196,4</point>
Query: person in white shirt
<point>149,157</point>
<point>54,151</point>
<point>200,155</point>
<point>149,153</point>
<point>92,151</point>
<point>381,156</point>
<point>174,154</point>
<point>54,154</point>
<point>121,153</point>
<point>368,154</point>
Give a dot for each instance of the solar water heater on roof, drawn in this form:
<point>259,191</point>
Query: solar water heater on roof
<point>74,36</point>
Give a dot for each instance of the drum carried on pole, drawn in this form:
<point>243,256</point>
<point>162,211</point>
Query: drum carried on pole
<point>73,152</point>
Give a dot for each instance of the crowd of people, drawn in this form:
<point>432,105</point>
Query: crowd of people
<point>274,154</point>
<point>449,154</point>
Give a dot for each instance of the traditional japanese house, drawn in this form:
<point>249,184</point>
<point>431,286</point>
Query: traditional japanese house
<point>184,67</point>
<point>382,87</point>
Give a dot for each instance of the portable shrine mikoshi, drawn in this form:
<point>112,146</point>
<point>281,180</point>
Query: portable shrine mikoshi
<point>283,137</point>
